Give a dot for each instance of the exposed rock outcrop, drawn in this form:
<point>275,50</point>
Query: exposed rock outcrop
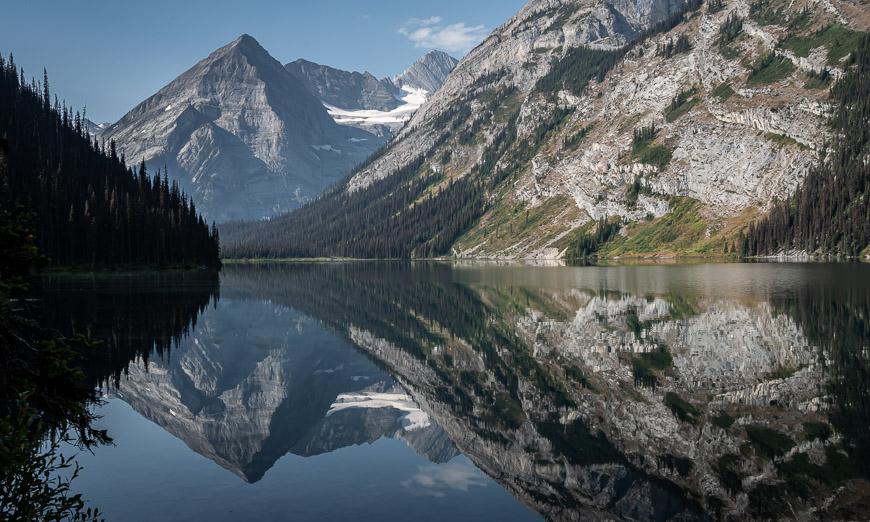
<point>241,135</point>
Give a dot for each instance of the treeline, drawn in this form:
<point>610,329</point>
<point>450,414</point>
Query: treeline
<point>401,216</point>
<point>87,206</point>
<point>588,243</point>
<point>830,212</point>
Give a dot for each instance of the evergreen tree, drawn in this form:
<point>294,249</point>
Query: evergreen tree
<point>90,208</point>
<point>830,212</point>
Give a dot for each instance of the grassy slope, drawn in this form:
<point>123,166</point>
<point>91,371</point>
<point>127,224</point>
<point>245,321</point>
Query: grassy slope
<point>681,232</point>
<point>510,221</point>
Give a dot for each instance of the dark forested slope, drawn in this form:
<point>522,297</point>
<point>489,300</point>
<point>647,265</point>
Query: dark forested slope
<point>87,207</point>
<point>830,212</point>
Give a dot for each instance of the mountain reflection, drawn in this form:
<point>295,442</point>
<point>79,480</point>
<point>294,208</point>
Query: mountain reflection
<point>649,393</point>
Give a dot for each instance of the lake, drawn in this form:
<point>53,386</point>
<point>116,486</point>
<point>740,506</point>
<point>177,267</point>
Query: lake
<point>436,391</point>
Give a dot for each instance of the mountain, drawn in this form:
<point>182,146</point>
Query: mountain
<point>77,201</point>
<point>93,128</point>
<point>428,73</point>
<point>660,127</point>
<point>242,135</point>
<point>378,106</point>
<point>347,90</point>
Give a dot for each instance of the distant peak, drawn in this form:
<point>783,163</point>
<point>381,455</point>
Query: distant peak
<point>245,38</point>
<point>429,72</point>
<point>437,53</point>
<point>246,42</point>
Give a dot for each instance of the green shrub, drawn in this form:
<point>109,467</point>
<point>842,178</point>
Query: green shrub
<point>839,41</point>
<point>765,13</point>
<point>723,420</point>
<point>730,29</point>
<point>818,80</point>
<point>770,68</point>
<point>588,243</point>
<point>817,431</point>
<point>573,140</point>
<point>725,467</point>
<point>682,409</point>
<point>681,104</point>
<point>768,442</point>
<point>723,91</point>
<point>645,366</point>
<point>645,151</point>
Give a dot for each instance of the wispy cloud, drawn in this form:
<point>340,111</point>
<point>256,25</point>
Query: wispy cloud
<point>437,480</point>
<point>432,33</point>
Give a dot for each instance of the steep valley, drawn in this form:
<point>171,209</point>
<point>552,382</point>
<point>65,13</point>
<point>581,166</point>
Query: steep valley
<point>677,122</point>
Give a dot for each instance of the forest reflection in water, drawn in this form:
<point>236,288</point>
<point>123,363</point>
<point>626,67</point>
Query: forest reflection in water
<point>642,392</point>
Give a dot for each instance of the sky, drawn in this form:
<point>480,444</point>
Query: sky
<point>109,55</point>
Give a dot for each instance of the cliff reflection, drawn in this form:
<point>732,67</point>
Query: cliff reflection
<point>639,392</point>
<point>649,393</point>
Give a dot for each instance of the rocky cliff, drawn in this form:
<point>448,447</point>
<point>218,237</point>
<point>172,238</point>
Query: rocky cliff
<point>741,136</point>
<point>241,135</point>
<point>380,106</point>
<point>344,89</point>
<point>678,121</point>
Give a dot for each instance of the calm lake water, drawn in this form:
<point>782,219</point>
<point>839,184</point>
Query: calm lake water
<point>427,391</point>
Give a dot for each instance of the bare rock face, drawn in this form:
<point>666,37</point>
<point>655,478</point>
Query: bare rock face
<point>427,73</point>
<point>518,53</point>
<point>241,134</point>
<point>344,89</point>
<point>383,106</point>
<point>733,149</point>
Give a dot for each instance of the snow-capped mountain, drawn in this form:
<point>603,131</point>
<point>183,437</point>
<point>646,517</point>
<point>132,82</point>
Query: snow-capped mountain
<point>379,106</point>
<point>242,135</point>
<point>95,129</point>
<point>348,90</point>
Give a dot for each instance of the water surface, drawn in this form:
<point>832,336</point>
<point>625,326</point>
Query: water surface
<point>452,392</point>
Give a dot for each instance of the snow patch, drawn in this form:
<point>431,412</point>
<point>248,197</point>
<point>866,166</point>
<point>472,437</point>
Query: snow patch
<point>414,418</point>
<point>413,99</point>
<point>329,148</point>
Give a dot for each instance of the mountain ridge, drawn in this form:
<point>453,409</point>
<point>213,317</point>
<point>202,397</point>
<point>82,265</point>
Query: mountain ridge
<point>657,117</point>
<point>241,134</point>
<point>381,106</point>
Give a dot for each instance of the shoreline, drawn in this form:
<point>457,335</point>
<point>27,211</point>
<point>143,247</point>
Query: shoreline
<point>670,259</point>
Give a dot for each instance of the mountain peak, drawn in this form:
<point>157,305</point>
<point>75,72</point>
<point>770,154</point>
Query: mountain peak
<point>238,119</point>
<point>438,54</point>
<point>429,72</point>
<point>245,40</point>
<point>246,45</point>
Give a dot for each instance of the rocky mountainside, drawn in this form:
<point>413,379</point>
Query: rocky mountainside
<point>242,135</point>
<point>428,73</point>
<point>344,89</point>
<point>378,106</point>
<point>676,123</point>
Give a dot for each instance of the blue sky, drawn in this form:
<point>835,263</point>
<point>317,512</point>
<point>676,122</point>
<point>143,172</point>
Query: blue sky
<point>110,55</point>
